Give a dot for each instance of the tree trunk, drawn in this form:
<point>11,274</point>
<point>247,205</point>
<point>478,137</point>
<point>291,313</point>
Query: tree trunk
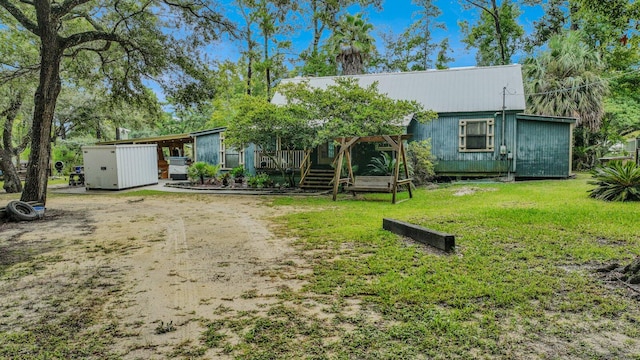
<point>316,27</point>
<point>500,37</point>
<point>12,183</point>
<point>268,69</point>
<point>249,74</point>
<point>45,103</point>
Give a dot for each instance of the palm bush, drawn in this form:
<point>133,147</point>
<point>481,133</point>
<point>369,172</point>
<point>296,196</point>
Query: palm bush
<point>385,165</point>
<point>616,181</point>
<point>382,165</point>
<point>201,170</point>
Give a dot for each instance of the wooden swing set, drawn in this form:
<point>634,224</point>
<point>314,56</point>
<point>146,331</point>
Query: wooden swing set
<point>374,184</point>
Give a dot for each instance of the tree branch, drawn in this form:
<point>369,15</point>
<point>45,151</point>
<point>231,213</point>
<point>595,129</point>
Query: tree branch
<point>20,16</point>
<point>89,36</point>
<point>25,142</point>
<point>124,18</point>
<point>77,51</point>
<point>60,10</point>
<point>191,9</point>
<point>476,4</point>
<point>86,16</point>
<point>6,76</point>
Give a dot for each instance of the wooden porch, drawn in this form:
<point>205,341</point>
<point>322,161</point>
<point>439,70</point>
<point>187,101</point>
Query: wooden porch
<point>310,178</point>
<point>268,160</point>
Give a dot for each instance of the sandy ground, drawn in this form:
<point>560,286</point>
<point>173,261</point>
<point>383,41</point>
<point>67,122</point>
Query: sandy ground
<point>165,262</point>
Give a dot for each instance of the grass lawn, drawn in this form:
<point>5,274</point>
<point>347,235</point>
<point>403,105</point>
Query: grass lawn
<point>521,283</point>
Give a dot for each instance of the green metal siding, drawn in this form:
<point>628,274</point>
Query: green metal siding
<point>444,135</point>
<point>544,149</point>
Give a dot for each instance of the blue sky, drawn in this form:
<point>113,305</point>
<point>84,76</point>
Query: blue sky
<point>397,16</point>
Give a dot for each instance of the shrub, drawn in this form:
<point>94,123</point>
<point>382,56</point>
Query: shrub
<point>616,181</point>
<point>70,152</point>
<point>421,161</point>
<point>238,172</point>
<point>201,170</point>
<point>260,180</point>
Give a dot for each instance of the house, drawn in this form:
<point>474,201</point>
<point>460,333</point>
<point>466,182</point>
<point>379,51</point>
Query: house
<point>481,129</point>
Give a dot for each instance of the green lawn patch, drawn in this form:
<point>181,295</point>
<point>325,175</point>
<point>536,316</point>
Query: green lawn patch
<point>520,284</point>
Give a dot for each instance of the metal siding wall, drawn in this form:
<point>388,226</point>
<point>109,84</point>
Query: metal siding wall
<point>125,166</point>
<point>543,149</point>
<point>137,165</point>
<point>208,148</point>
<point>444,135</point>
<point>95,158</point>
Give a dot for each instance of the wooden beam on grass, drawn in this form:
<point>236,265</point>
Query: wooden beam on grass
<point>442,241</point>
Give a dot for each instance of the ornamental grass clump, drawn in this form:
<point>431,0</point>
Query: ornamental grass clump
<point>201,170</point>
<point>616,181</point>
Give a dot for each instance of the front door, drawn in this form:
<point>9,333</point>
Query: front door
<point>326,153</point>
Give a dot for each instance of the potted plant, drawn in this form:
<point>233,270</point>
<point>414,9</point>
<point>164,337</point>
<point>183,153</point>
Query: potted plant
<point>225,179</point>
<point>238,174</point>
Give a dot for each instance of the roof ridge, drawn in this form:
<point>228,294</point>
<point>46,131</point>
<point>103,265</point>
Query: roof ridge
<point>404,73</point>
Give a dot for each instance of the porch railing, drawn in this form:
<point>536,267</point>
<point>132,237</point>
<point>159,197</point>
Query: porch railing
<point>291,158</point>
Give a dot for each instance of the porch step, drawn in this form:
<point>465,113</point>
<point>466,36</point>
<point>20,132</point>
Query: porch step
<point>318,179</point>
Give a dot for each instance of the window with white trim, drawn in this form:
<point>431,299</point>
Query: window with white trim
<point>476,135</point>
<point>230,157</point>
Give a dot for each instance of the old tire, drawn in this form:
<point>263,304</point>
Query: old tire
<point>21,211</point>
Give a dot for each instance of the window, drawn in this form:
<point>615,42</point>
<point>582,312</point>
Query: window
<point>230,157</point>
<point>476,135</point>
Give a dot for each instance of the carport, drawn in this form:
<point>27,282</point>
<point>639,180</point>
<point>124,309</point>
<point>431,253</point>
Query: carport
<point>168,146</point>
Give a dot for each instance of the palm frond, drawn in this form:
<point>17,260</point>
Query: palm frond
<point>616,181</point>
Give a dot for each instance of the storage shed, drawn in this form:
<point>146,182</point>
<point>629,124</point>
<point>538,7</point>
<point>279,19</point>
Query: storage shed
<point>543,146</point>
<point>117,167</point>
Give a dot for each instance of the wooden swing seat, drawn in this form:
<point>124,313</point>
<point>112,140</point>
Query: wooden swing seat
<point>374,184</point>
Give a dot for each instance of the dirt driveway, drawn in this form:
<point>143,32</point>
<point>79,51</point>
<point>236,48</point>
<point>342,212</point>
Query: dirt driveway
<point>138,276</point>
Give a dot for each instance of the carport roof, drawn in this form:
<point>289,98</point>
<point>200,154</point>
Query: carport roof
<point>161,141</point>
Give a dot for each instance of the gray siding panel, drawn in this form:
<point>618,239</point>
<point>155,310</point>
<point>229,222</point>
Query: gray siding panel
<point>208,148</point>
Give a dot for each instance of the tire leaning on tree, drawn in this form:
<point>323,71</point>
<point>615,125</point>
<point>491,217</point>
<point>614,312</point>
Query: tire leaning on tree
<point>21,211</point>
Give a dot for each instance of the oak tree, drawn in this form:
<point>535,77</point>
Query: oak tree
<point>127,40</point>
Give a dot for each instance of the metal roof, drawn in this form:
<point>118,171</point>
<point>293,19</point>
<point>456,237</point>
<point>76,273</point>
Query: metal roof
<point>558,119</point>
<point>166,140</point>
<point>208,131</point>
<point>469,89</point>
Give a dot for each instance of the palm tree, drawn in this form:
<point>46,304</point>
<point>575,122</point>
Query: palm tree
<point>564,80</point>
<point>352,44</point>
